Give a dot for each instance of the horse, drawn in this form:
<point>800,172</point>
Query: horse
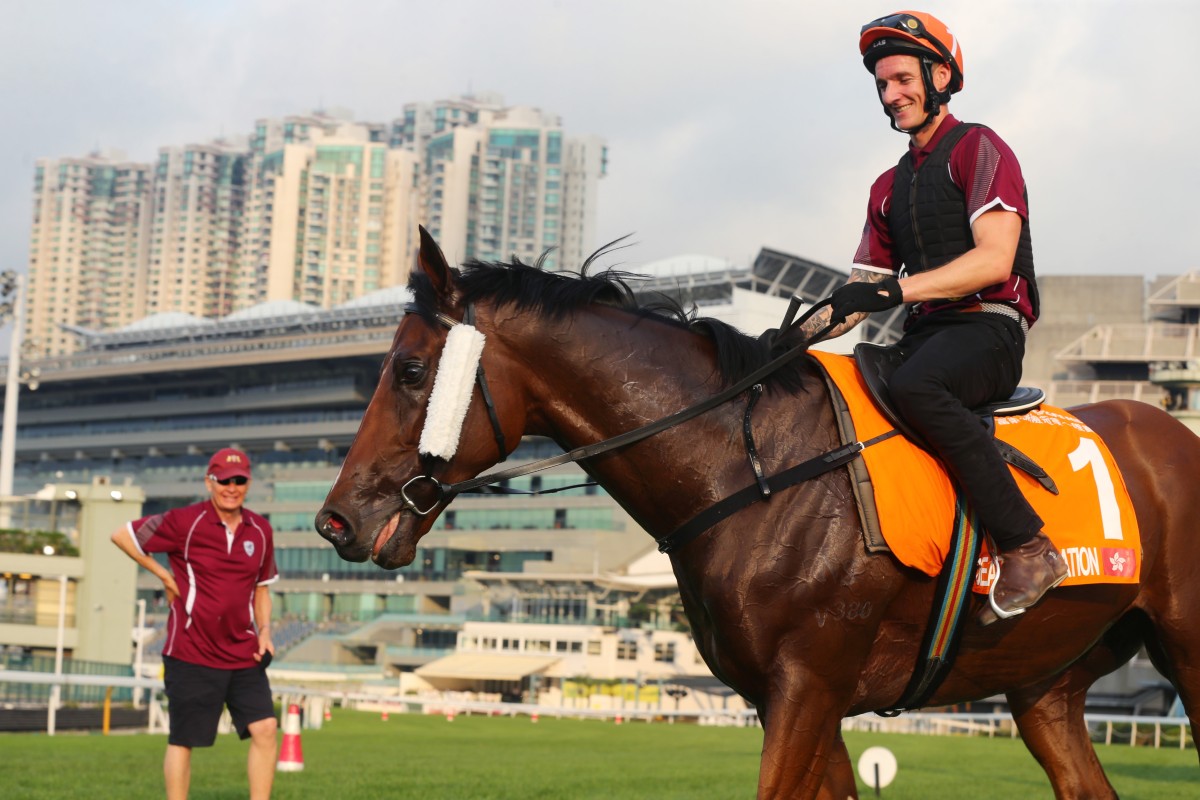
<point>785,604</point>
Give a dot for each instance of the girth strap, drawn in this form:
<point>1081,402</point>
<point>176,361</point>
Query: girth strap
<point>942,635</point>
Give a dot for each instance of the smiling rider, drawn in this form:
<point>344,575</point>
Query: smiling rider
<point>947,233</point>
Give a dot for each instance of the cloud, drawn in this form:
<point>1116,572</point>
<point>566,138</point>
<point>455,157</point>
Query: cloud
<point>730,126</point>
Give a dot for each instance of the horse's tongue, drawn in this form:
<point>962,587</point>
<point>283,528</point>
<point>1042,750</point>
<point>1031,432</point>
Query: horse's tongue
<point>385,533</point>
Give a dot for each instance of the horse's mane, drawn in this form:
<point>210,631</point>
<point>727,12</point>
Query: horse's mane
<point>557,295</point>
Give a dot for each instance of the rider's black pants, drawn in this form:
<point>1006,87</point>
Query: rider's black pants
<point>955,361</point>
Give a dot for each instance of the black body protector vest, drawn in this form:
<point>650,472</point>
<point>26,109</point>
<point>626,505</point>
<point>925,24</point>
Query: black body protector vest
<point>929,221</point>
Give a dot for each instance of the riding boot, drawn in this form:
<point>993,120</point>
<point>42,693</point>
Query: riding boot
<point>1027,572</point>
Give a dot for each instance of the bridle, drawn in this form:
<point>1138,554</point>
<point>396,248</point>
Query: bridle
<point>497,431</point>
<point>447,492</point>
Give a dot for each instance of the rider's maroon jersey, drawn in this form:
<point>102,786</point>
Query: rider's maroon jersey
<point>989,175</point>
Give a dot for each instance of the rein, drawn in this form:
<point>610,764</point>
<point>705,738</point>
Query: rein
<point>690,530</point>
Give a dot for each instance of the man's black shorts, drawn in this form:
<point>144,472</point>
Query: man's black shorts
<point>197,694</point>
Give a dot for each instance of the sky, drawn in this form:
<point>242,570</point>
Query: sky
<point>731,126</point>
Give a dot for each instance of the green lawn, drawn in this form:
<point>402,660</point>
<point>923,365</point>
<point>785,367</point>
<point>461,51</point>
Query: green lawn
<point>357,755</point>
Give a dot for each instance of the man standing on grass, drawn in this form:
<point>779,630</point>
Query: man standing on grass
<point>222,559</point>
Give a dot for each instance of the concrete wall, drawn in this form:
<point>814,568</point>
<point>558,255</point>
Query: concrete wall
<point>100,601</point>
<point>105,607</point>
<point>1071,306</point>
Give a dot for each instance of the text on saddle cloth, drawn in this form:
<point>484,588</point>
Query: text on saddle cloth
<point>1091,520</point>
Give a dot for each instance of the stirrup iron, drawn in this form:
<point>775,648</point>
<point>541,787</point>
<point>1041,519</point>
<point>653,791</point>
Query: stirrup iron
<point>997,610</point>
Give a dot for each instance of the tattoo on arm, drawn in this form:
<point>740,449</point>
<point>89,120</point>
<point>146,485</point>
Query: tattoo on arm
<point>821,318</point>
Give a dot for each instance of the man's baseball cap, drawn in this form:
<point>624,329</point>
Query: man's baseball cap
<point>229,463</point>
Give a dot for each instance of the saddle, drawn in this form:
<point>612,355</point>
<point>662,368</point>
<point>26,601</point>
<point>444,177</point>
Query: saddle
<point>877,363</point>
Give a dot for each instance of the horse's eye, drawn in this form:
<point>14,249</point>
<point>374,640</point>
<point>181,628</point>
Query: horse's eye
<point>410,373</point>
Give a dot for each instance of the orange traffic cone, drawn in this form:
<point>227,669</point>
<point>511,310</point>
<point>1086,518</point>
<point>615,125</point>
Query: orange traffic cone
<point>533,717</point>
<point>449,715</point>
<point>619,720</point>
<point>328,715</point>
<point>383,716</point>
<point>291,757</point>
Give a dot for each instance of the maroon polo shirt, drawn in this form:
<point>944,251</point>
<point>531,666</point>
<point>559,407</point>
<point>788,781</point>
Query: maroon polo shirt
<point>212,621</point>
<point>987,172</point>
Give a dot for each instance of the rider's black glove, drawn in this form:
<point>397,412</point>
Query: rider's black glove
<point>864,296</point>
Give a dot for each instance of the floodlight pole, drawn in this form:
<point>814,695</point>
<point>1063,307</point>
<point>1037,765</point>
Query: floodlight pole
<point>12,389</point>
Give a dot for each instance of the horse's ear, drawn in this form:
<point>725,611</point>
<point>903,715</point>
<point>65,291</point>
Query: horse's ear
<point>432,262</point>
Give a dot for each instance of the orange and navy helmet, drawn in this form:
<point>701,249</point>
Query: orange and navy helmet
<point>913,33</point>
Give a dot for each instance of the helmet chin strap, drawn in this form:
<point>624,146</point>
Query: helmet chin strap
<point>933,101</point>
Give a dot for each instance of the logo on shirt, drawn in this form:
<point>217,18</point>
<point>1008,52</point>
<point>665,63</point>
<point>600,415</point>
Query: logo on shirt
<point>248,546</point>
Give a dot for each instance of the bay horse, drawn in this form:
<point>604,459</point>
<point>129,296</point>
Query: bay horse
<point>786,605</point>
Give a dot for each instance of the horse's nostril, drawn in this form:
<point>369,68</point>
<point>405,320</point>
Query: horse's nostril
<point>334,528</point>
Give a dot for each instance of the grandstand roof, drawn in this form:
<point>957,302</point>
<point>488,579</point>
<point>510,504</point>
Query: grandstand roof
<point>166,321</point>
<point>274,315</point>
<point>388,296</point>
<point>687,264</point>
<point>272,309</point>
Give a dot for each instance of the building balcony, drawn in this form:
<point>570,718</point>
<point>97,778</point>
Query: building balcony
<point>1180,294</point>
<point>1065,394</point>
<point>29,618</point>
<point>1175,376</point>
<point>1136,343</point>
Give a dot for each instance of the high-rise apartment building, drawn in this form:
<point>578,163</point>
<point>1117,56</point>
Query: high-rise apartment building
<point>263,167</point>
<point>499,182</point>
<point>89,248</point>
<point>344,218</point>
<point>198,201</point>
<point>310,208</point>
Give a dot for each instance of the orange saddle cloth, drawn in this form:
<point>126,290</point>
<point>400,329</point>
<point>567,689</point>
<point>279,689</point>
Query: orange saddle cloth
<point>1091,520</point>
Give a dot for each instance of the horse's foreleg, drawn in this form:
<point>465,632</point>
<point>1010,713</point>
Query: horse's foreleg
<point>839,775</point>
<point>800,737</point>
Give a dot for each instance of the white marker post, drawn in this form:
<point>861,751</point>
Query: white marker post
<point>877,767</point>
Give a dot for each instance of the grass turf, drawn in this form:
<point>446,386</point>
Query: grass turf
<point>356,755</point>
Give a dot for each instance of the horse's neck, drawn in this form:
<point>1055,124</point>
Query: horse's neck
<point>604,378</point>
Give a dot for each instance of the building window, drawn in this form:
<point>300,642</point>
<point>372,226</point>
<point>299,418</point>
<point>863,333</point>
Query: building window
<point>627,651</point>
<point>664,651</point>
<point>593,648</point>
